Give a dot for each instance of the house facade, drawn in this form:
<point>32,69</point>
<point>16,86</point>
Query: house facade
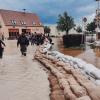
<point>13,23</point>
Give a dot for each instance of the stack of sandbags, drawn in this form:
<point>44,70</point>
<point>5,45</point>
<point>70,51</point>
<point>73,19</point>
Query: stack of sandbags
<point>75,85</point>
<point>92,89</point>
<point>56,91</point>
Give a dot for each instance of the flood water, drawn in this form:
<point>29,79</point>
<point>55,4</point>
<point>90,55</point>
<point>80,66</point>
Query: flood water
<point>21,78</point>
<point>89,55</point>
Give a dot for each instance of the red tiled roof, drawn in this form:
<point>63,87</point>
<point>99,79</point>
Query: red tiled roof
<point>19,17</point>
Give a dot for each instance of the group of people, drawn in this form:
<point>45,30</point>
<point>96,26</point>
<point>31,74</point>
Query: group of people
<point>23,41</point>
<point>35,39</point>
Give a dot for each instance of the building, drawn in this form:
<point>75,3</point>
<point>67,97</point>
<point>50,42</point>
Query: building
<point>13,23</point>
<point>97,20</point>
<point>55,32</point>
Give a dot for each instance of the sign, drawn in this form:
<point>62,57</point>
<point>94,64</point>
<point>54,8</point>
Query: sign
<point>13,30</point>
<point>85,19</point>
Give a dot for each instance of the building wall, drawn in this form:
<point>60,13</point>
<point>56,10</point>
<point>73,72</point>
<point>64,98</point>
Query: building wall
<point>54,31</point>
<point>33,29</point>
<point>5,30</point>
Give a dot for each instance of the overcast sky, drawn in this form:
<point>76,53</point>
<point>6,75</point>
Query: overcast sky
<point>48,10</point>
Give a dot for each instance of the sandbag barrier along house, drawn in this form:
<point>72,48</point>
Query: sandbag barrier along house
<point>14,23</point>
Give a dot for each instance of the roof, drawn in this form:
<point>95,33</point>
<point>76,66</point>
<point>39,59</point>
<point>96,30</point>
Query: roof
<point>29,19</point>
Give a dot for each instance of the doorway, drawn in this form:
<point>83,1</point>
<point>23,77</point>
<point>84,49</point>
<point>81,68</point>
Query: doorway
<point>27,31</point>
<point>13,33</point>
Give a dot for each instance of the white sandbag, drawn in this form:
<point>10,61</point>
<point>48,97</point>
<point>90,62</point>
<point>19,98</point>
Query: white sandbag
<point>89,68</point>
<point>84,98</point>
<point>96,73</point>
<point>45,50</point>
<point>97,82</point>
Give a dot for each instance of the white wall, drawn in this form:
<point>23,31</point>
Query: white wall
<point>55,32</point>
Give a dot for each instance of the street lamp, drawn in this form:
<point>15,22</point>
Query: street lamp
<point>84,23</point>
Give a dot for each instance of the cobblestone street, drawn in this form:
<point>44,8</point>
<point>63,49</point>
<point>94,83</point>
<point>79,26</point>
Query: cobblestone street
<point>20,77</point>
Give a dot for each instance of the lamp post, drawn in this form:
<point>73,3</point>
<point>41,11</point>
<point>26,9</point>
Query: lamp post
<point>84,23</point>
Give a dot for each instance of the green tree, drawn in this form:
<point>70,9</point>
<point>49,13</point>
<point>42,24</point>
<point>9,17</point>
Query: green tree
<point>91,28</point>
<point>79,29</point>
<point>47,30</point>
<point>65,23</point>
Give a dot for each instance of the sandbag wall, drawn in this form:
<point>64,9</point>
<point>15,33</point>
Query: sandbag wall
<point>67,83</point>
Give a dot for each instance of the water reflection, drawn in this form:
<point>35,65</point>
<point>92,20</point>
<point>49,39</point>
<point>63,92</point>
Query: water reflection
<point>71,52</point>
<point>68,51</point>
<point>90,55</point>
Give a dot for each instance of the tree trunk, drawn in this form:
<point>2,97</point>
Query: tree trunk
<point>67,31</point>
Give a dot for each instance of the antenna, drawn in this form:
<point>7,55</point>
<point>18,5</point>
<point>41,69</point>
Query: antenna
<point>24,10</point>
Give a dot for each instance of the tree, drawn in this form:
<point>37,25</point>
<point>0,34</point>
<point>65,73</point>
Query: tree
<point>47,30</point>
<point>91,28</point>
<point>65,23</point>
<point>79,29</point>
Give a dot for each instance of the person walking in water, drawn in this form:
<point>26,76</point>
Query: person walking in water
<point>1,48</point>
<point>23,42</point>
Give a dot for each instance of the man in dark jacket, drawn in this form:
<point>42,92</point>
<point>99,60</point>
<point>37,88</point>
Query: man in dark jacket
<point>23,42</point>
<point>1,48</point>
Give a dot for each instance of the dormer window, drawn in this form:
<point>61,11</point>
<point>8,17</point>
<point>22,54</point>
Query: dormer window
<point>23,22</point>
<point>33,23</point>
<point>13,22</point>
<point>40,23</point>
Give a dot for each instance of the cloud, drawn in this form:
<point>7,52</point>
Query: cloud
<point>48,10</point>
<point>90,17</point>
<point>86,9</point>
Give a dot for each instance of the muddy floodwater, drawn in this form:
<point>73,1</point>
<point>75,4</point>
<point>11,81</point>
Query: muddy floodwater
<point>21,78</point>
<point>89,55</point>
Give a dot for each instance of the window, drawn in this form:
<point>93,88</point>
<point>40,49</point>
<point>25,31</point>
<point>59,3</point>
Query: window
<point>13,22</point>
<point>23,22</point>
<point>40,23</point>
<point>33,23</point>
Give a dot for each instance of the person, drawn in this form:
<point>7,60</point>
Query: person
<point>50,39</point>
<point>1,48</point>
<point>32,39</point>
<point>37,39</point>
<point>2,37</point>
<point>42,39</point>
<point>23,42</point>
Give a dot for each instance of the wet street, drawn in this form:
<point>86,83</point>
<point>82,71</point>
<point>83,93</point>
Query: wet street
<point>20,77</point>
